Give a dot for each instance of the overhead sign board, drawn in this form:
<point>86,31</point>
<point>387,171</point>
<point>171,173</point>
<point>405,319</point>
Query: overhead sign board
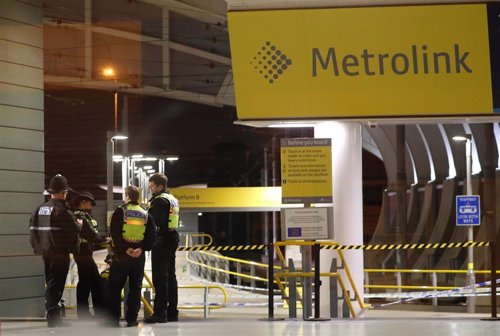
<point>468,210</point>
<point>306,223</point>
<point>306,170</point>
<point>230,199</point>
<point>417,61</point>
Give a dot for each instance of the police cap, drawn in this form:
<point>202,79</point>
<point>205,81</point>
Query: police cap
<point>85,195</point>
<point>58,184</point>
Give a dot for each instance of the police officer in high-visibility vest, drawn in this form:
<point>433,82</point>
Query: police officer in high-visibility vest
<point>54,233</point>
<point>164,208</point>
<point>89,279</point>
<point>133,232</point>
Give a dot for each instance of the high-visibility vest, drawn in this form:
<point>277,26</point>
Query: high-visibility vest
<point>173,215</point>
<point>134,223</point>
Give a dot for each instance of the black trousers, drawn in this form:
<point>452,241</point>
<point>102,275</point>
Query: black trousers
<point>56,267</point>
<point>164,278</point>
<point>124,266</point>
<point>89,283</point>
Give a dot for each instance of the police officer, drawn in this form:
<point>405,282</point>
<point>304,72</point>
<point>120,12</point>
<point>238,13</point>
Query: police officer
<point>54,233</point>
<point>165,211</point>
<point>133,233</point>
<point>89,279</point>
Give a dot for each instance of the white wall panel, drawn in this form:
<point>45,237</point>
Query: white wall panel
<point>14,224</point>
<point>15,95</point>
<point>30,266</point>
<point>27,55</point>
<point>31,287</point>
<point>32,307</point>
<point>21,138</point>
<point>12,202</point>
<point>17,31</point>
<point>21,117</point>
<point>12,159</point>
<point>21,181</point>
<point>19,11</point>
<point>19,74</point>
<point>15,245</point>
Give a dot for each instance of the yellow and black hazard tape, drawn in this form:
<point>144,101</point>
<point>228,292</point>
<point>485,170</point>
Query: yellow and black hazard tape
<point>329,246</point>
<point>405,246</point>
<point>223,248</point>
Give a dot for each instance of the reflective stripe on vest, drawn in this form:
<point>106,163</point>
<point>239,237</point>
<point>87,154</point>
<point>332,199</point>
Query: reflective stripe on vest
<point>134,223</point>
<point>173,216</point>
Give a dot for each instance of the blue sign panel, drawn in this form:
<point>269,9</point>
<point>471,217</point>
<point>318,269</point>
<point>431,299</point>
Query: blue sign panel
<point>468,210</point>
<point>295,232</point>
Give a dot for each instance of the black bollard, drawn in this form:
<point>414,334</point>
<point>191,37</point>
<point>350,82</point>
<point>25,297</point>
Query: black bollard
<point>317,281</point>
<point>493,276</point>
<point>493,280</point>
<point>270,281</point>
<point>316,248</point>
<point>270,286</point>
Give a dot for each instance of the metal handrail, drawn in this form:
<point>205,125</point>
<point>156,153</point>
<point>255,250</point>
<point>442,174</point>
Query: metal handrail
<point>205,306</point>
<point>399,286</point>
<point>381,270</point>
<point>410,287</point>
<point>223,270</point>
<point>149,285</point>
<point>242,261</point>
<point>216,306</point>
<point>311,274</point>
<point>191,235</point>
<point>324,243</point>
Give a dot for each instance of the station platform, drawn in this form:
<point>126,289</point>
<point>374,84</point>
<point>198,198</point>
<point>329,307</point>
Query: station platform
<point>245,314</point>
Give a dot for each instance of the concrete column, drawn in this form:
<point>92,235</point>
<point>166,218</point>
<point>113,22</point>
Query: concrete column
<point>22,175</point>
<point>347,190</point>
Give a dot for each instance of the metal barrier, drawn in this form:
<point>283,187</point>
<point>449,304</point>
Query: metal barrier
<point>238,274</point>
<point>327,245</point>
<point>206,306</point>
<point>434,280</point>
<point>213,254</point>
<point>190,235</point>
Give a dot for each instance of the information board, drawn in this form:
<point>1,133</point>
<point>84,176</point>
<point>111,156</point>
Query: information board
<point>306,223</point>
<point>306,171</point>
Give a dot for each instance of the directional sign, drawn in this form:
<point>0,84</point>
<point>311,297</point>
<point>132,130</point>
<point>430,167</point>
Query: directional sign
<point>468,210</point>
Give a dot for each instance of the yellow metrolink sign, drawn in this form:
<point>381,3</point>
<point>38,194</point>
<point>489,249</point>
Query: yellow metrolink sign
<point>228,198</point>
<point>361,62</point>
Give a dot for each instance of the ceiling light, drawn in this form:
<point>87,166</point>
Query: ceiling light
<point>459,138</point>
<point>108,72</point>
<point>290,125</point>
<point>172,158</point>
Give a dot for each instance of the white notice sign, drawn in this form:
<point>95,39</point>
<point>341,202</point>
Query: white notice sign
<point>305,223</point>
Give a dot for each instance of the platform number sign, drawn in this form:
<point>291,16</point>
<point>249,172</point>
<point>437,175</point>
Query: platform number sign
<point>468,210</point>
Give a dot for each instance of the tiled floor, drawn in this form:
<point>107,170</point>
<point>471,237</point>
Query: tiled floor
<point>244,321</point>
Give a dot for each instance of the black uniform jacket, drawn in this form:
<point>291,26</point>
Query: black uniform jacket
<point>53,228</point>
<point>160,210</point>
